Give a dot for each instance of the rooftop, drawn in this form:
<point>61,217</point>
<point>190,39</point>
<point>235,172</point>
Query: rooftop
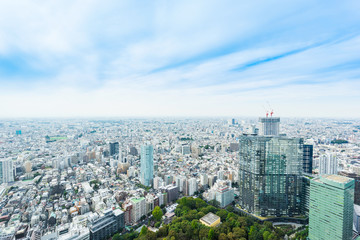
<point>337,178</point>
<point>210,218</point>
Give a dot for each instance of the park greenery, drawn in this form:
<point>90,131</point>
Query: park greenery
<point>187,225</point>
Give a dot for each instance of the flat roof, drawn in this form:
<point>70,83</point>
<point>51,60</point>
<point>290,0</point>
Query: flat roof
<point>136,200</point>
<point>210,218</point>
<point>337,178</point>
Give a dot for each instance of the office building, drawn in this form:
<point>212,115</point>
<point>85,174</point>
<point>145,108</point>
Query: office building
<point>6,171</point>
<point>357,184</point>
<point>308,158</point>
<point>270,173</point>
<point>114,148</point>
<point>269,126</point>
<point>224,195</point>
<point>147,165</point>
<point>172,193</point>
<point>331,208</point>
<point>107,225</point>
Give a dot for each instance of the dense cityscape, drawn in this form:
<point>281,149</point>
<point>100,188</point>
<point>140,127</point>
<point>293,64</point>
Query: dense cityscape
<point>179,120</point>
<point>101,179</point>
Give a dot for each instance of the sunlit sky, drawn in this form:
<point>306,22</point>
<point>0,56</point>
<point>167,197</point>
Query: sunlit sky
<point>71,58</point>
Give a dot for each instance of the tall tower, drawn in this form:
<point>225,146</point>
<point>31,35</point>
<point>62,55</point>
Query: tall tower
<point>147,165</point>
<point>331,208</point>
<point>269,126</point>
<point>270,175</point>
<point>308,159</point>
<point>6,171</point>
<point>114,148</point>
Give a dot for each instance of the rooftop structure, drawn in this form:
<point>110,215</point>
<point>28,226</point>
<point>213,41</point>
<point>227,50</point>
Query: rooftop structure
<point>210,220</point>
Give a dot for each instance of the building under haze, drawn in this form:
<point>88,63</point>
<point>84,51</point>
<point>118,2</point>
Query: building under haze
<point>6,171</point>
<point>270,175</point>
<point>269,126</point>
<point>331,208</point>
<point>147,165</point>
<point>328,164</point>
<point>114,148</point>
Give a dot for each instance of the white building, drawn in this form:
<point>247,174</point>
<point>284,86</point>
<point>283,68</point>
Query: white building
<point>6,171</point>
<point>139,208</point>
<point>192,186</point>
<point>328,164</point>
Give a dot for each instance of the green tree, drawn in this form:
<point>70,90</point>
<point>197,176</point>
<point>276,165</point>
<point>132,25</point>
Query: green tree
<point>116,237</point>
<point>143,231</point>
<point>157,213</point>
<point>223,236</point>
<point>211,234</point>
<point>266,235</point>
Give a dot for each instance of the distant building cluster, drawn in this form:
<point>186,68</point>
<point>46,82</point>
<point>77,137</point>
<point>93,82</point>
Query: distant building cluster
<point>91,179</point>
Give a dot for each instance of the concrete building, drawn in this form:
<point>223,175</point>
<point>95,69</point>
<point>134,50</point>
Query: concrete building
<point>204,181</point>
<point>147,165</point>
<point>6,171</point>
<point>328,164</point>
<point>191,187</point>
<point>107,225</point>
<point>224,195</point>
<point>172,193</point>
<point>331,208</point>
<point>185,150</point>
<point>138,208</point>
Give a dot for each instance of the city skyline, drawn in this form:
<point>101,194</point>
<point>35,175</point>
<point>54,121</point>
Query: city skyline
<point>68,59</point>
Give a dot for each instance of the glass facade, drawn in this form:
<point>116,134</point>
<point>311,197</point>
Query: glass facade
<point>331,208</point>
<point>270,175</point>
<point>308,159</point>
<point>147,165</point>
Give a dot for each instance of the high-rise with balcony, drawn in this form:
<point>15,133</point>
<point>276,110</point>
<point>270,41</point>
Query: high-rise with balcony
<point>147,165</point>
<point>6,171</point>
<point>331,208</point>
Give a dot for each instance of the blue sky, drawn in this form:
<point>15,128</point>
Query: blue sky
<point>179,58</point>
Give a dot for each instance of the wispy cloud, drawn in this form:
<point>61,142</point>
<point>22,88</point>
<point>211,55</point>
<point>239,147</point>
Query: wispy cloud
<point>178,58</point>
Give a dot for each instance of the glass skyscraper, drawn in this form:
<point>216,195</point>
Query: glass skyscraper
<point>331,208</point>
<point>270,182</point>
<point>147,165</point>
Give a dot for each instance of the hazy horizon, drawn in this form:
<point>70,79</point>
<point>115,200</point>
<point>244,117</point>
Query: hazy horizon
<point>67,59</point>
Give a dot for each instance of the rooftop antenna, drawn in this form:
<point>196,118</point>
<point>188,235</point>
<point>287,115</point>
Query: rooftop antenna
<point>271,111</point>
<point>267,111</point>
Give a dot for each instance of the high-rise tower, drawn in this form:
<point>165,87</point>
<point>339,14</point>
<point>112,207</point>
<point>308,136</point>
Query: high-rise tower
<point>147,165</point>
<point>269,126</point>
<point>6,171</point>
<point>331,208</point>
<point>114,148</point>
<point>270,175</point>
